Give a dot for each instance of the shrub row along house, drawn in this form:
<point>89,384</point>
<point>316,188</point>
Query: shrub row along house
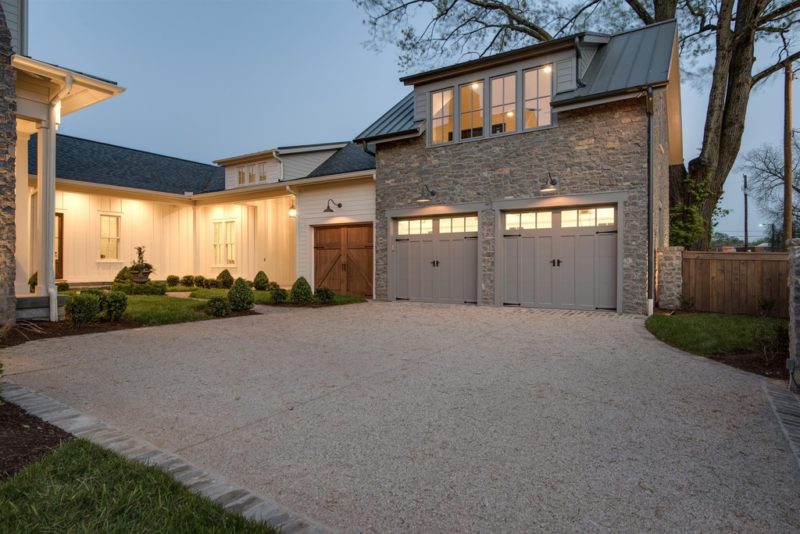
<point>536,177</point>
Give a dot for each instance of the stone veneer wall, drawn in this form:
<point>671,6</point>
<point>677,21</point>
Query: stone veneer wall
<point>8,138</point>
<point>669,277</point>
<point>592,150</point>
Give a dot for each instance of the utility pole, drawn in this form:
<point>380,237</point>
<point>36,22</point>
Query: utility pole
<point>745,213</point>
<point>787,155</point>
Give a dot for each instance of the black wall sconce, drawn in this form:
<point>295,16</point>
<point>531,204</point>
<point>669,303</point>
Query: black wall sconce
<point>426,195</point>
<point>551,186</point>
<point>328,208</point>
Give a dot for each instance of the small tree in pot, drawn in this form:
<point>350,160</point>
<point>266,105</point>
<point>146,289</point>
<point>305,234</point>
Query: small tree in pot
<point>139,269</point>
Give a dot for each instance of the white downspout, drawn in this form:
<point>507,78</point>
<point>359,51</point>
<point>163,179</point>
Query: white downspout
<point>55,120</point>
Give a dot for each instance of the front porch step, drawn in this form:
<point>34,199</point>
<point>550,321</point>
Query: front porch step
<point>37,308</point>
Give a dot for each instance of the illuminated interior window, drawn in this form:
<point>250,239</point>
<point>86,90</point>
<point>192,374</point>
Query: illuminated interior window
<point>262,173</point>
<point>586,217</point>
<point>504,103</point>
<point>109,237</point>
<point>605,216</point>
<point>529,220</point>
<point>442,116</point>
<point>471,104</point>
<point>453,225</point>
<point>538,91</point>
<point>569,218</point>
<point>242,176</point>
<point>224,243</point>
<point>415,227</point>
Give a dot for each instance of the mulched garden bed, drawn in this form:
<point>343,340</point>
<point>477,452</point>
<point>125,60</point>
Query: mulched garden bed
<point>755,363</point>
<point>32,330</point>
<point>24,439</point>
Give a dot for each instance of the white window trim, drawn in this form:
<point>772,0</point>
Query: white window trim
<point>118,215</point>
<point>519,106</point>
<point>214,263</point>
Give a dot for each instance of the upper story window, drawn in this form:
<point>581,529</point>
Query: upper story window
<point>503,92</point>
<point>538,84</point>
<point>251,174</point>
<point>442,116</point>
<point>262,172</point>
<point>241,176</point>
<point>471,110</point>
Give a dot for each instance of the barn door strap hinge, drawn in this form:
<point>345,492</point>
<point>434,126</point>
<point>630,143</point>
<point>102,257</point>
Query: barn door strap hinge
<point>607,232</point>
<point>512,235</point>
<point>402,239</point>
<point>511,304</point>
<point>471,237</point>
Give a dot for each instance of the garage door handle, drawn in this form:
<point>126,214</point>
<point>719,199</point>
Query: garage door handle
<point>558,263</point>
<point>344,267</point>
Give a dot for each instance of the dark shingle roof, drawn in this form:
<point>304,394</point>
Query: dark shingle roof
<point>631,60</point>
<point>350,158</point>
<point>101,163</point>
<point>399,119</point>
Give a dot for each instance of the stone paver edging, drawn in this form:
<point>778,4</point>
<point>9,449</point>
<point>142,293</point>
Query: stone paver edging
<point>786,406</point>
<point>198,480</point>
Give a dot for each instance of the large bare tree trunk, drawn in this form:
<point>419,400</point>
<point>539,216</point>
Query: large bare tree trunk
<point>8,140</point>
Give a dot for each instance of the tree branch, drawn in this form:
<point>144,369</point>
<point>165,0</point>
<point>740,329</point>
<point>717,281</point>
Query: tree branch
<point>641,11</point>
<point>766,73</point>
<point>778,12</point>
<point>515,20</point>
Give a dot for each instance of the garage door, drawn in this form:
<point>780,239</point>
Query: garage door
<point>436,259</point>
<point>343,259</point>
<point>562,258</point>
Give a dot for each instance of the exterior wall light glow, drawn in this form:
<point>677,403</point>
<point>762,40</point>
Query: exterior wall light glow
<point>548,68</point>
<point>551,186</point>
<point>293,211</point>
<point>426,195</point>
<point>328,208</point>
<point>476,86</point>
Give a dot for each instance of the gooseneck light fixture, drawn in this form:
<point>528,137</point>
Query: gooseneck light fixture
<point>551,186</point>
<point>426,195</point>
<point>328,208</point>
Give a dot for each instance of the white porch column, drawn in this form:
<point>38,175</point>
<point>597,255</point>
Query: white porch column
<point>46,202</point>
<point>22,219</point>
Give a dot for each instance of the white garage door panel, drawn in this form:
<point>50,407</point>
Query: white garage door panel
<point>606,270</point>
<point>543,271</point>
<point>564,274</point>
<point>584,271</point>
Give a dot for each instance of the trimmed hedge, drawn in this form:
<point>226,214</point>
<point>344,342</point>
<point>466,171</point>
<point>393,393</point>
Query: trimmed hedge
<point>62,286</point>
<point>325,295</point>
<point>198,280</point>
<point>83,308</point>
<point>148,288</point>
<point>240,296</point>
<point>113,304</point>
<point>260,282</point>
<point>210,283</point>
<point>279,295</point>
<point>187,280</point>
<point>225,279</point>
<point>218,307</point>
<point>173,280</point>
<point>301,292</point>
<point>124,275</point>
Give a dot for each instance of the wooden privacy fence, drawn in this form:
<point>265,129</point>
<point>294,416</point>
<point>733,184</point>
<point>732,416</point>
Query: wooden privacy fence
<point>737,282</point>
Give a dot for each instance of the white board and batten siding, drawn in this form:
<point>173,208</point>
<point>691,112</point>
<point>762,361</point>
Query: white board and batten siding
<point>164,229</point>
<point>301,165</point>
<point>16,12</point>
<point>564,64</point>
<point>358,206</point>
<point>264,239</point>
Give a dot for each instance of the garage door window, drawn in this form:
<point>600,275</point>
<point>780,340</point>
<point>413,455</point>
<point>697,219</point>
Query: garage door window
<point>415,227</point>
<point>529,220</point>
<point>587,217</point>
<point>455,225</point>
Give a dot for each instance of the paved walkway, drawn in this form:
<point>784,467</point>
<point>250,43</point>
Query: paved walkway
<point>403,417</point>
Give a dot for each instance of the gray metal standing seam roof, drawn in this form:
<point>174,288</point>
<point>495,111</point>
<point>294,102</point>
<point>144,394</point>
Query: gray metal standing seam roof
<point>399,119</point>
<point>629,61</point>
<point>101,163</point>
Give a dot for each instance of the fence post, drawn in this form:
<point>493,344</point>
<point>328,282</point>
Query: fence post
<point>793,248</point>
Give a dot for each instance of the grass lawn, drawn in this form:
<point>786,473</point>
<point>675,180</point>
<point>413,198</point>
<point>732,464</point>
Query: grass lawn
<point>757,344</point>
<point>81,487</point>
<point>155,309</point>
<point>264,297</point>
<point>181,289</point>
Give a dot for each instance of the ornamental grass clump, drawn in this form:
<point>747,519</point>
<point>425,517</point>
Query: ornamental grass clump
<point>240,296</point>
<point>301,292</point>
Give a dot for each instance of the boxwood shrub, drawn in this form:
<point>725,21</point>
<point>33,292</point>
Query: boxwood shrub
<point>198,280</point>
<point>279,295</point>
<point>241,296</point>
<point>113,304</point>
<point>260,282</point>
<point>83,308</point>
<point>187,280</point>
<point>124,275</point>
<point>173,280</point>
<point>62,286</point>
<point>218,307</point>
<point>225,279</point>
<point>325,295</point>
<point>210,283</point>
<point>148,288</point>
<point>301,292</point>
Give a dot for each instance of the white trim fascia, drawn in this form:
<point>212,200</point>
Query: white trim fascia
<point>157,195</point>
<point>281,186</point>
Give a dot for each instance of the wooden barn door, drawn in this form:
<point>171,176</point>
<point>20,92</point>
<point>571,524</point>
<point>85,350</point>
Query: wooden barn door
<point>343,259</point>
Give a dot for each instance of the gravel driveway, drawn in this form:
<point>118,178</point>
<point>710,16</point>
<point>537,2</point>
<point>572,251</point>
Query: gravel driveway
<point>396,417</point>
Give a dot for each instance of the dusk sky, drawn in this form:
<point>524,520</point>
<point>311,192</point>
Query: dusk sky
<point>210,79</point>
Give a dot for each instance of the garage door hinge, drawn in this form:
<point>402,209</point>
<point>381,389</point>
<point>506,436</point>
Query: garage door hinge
<point>512,235</point>
<point>511,304</point>
<point>471,237</point>
<point>402,239</point>
<point>607,232</point>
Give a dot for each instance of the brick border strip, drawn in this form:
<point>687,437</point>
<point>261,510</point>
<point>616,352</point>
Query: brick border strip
<point>197,480</point>
<point>786,407</point>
